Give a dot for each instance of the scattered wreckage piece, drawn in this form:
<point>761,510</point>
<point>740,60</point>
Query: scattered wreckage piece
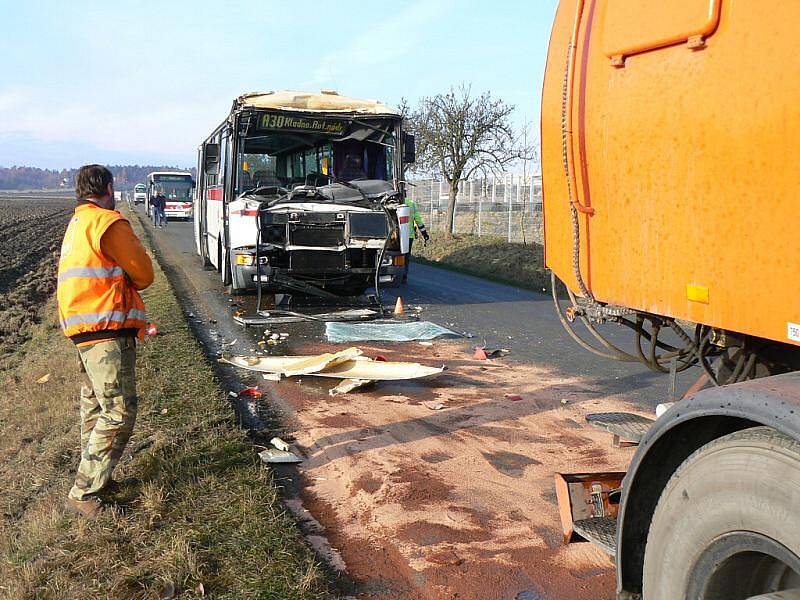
<point>346,364</point>
<point>348,385</point>
<point>274,456</point>
<point>386,332</point>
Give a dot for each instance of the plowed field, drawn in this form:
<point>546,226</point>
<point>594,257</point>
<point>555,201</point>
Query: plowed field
<point>31,229</point>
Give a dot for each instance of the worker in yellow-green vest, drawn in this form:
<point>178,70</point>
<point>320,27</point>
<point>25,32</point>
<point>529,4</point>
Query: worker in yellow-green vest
<point>416,223</point>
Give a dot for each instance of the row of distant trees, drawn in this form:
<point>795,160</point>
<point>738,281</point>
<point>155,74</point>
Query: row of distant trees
<point>33,178</point>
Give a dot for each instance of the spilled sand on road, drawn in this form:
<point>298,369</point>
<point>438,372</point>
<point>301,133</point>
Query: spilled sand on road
<point>459,501</point>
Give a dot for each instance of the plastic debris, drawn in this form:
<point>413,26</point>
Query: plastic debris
<point>151,330</point>
<point>43,378</point>
<point>251,392</point>
<point>230,343</point>
<point>482,353</point>
<point>662,408</point>
<point>233,394</point>
<point>271,376</point>
<point>425,343</point>
<point>346,364</point>
<point>348,385</point>
<point>275,456</point>
<point>513,397</point>
<point>479,354</point>
<point>564,401</point>
<point>279,444</point>
<point>386,332</point>
<point>164,411</point>
<point>434,405</point>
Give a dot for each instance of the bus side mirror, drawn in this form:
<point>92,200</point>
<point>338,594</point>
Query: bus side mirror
<point>211,161</point>
<point>409,149</point>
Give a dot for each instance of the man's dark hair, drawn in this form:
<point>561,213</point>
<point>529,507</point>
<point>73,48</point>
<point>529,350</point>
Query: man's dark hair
<point>92,181</point>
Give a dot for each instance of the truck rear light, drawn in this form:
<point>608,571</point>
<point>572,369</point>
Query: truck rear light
<point>400,260</point>
<point>244,259</point>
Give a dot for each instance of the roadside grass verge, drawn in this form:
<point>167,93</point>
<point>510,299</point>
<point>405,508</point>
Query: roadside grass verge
<point>196,515</point>
<point>492,258</point>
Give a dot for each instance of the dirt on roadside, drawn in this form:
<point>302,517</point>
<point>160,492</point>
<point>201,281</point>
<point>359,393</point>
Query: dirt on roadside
<point>457,502</point>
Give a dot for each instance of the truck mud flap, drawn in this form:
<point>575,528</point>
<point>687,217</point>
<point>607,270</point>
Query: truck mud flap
<point>588,504</point>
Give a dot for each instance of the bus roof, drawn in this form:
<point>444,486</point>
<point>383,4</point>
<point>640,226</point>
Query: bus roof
<point>169,173</point>
<point>326,101</point>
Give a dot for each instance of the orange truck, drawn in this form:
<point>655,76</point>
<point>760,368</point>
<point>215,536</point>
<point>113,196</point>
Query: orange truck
<point>670,151</point>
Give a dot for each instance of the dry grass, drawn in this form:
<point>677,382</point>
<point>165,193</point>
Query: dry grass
<point>198,515</point>
<point>490,257</point>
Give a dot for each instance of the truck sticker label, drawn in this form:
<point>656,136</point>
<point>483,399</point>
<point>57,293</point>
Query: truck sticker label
<point>794,332</point>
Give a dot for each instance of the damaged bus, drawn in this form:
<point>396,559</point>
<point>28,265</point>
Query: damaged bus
<point>299,192</point>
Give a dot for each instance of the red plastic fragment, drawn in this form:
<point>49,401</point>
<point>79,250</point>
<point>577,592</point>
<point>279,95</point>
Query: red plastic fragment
<point>480,354</point>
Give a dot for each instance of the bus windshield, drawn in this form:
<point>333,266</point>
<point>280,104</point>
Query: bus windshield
<point>285,161</point>
<point>139,187</point>
<point>176,188</point>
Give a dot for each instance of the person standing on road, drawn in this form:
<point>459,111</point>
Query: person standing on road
<point>102,267</point>
<point>416,222</point>
<point>159,204</point>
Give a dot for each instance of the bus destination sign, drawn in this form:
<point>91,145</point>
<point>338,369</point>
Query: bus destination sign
<point>278,122</point>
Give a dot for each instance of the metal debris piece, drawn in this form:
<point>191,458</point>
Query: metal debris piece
<point>279,444</point>
<point>43,378</point>
<point>346,364</point>
<point>274,456</point>
<point>434,405</point>
<point>348,385</point>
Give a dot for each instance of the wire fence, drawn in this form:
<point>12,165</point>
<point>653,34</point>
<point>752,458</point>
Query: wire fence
<point>507,206</point>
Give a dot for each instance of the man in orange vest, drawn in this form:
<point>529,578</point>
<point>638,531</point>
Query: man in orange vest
<point>101,269</point>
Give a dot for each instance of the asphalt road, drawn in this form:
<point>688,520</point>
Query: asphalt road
<point>495,315</point>
<point>366,448</point>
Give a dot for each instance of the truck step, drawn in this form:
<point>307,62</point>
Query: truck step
<point>628,429</point>
<point>601,531</point>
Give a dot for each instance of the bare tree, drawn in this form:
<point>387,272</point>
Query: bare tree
<point>458,134</point>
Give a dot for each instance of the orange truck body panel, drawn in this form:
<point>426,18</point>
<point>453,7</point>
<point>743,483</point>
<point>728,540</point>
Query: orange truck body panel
<point>684,143</point>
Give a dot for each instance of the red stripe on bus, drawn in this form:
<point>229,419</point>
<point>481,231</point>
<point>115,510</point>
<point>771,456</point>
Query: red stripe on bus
<point>245,213</point>
<point>403,220</point>
<point>214,194</point>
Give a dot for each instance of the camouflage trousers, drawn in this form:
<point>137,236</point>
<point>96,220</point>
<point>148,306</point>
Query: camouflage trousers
<point>108,411</point>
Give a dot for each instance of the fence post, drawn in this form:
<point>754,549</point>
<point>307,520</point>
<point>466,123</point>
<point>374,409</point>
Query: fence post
<point>508,207</point>
<point>480,208</point>
<point>431,220</point>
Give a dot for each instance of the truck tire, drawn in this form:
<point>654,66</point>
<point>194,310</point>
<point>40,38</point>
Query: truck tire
<point>726,525</point>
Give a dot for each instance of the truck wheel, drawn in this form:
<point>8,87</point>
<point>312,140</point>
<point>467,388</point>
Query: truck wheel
<point>726,525</point>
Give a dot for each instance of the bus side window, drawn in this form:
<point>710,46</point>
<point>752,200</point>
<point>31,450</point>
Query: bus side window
<point>223,158</point>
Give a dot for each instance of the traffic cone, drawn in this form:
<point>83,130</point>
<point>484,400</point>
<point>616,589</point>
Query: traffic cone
<point>399,310</point>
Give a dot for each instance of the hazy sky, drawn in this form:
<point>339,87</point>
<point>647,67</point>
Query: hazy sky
<point>144,82</point>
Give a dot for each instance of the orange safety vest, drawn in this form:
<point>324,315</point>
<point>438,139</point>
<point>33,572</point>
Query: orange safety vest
<point>94,294</point>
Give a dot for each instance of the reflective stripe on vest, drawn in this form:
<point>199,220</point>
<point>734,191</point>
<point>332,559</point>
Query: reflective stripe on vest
<point>93,292</point>
<point>91,272</point>
<point>104,318</point>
